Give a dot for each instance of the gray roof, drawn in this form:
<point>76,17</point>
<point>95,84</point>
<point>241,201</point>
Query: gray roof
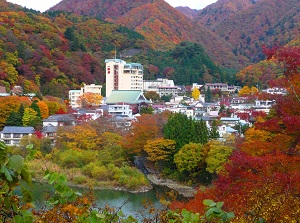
<point>49,128</point>
<point>126,96</point>
<point>229,119</point>
<point>206,118</point>
<point>60,118</point>
<point>18,129</point>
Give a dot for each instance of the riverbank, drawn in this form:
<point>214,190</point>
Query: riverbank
<point>183,190</point>
<point>154,177</point>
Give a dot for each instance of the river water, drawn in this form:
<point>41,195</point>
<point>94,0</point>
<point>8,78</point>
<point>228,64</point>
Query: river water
<point>132,203</point>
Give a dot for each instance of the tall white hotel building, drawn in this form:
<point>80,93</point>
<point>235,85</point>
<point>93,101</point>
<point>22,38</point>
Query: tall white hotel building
<point>123,76</point>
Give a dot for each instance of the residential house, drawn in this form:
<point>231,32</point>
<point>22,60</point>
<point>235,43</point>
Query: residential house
<point>280,91</point>
<point>230,121</point>
<point>223,129</point>
<point>17,90</point>
<point>49,131</point>
<point>60,120</point>
<point>123,122</point>
<point>3,92</point>
<point>11,135</point>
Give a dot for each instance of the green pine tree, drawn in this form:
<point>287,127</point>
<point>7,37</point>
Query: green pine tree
<point>214,133</point>
<point>14,119</point>
<point>208,95</point>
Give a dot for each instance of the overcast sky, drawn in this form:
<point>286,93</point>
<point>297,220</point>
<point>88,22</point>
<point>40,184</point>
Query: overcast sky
<point>43,5</point>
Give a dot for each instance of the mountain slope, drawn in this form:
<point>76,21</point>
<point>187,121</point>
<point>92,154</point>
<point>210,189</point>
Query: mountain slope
<point>51,54</point>
<point>190,13</point>
<point>162,25</point>
<point>214,14</point>
<point>248,24</point>
<point>266,22</point>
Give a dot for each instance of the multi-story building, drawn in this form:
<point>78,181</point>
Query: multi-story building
<point>120,109</point>
<point>162,86</point>
<point>75,94</point>
<point>222,87</point>
<point>123,76</point>
<point>11,135</point>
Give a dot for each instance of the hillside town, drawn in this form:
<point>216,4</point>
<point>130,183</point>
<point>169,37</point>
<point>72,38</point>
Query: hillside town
<point>125,88</point>
<point>128,111</point>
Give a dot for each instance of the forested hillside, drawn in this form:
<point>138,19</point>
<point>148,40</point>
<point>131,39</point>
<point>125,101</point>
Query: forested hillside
<point>216,13</point>
<point>247,24</point>
<point>185,64</point>
<point>162,25</point>
<point>57,52</point>
<point>53,52</point>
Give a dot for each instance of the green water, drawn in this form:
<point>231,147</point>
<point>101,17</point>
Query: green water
<point>132,203</point>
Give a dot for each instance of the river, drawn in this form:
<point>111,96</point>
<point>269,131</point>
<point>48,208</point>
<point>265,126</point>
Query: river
<point>132,203</point>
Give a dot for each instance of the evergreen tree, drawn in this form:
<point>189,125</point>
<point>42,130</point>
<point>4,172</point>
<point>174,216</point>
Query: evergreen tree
<point>185,130</point>
<point>70,33</point>
<point>208,95</point>
<point>21,110</point>
<point>202,133</point>
<point>214,133</point>
<point>14,119</point>
<point>35,107</point>
<point>37,120</point>
<point>166,98</point>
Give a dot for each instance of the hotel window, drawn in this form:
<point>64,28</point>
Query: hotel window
<point>7,135</point>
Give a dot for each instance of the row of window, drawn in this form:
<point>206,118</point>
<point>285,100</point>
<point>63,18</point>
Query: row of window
<point>14,135</point>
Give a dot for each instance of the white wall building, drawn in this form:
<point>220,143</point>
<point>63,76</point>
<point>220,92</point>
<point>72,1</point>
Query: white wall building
<point>120,110</point>
<point>11,135</point>
<point>162,86</point>
<point>123,76</point>
<point>75,94</point>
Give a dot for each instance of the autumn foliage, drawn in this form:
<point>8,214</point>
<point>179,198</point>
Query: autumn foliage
<point>262,178</point>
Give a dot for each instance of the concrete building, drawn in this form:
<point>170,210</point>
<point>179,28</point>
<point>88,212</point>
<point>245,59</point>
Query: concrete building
<point>11,135</point>
<point>75,94</point>
<point>162,86</point>
<point>123,76</point>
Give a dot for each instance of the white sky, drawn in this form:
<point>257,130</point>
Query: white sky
<point>43,5</point>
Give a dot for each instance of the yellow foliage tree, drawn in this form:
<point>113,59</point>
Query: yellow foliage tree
<point>160,149</point>
<point>29,117</point>
<point>245,91</point>
<point>217,156</point>
<point>89,99</point>
<point>196,93</point>
<point>78,137</point>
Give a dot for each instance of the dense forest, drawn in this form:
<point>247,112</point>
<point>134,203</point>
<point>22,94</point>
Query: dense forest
<point>64,50</point>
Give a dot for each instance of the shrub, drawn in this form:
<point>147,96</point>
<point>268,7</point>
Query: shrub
<point>76,158</point>
<point>100,173</point>
<point>80,179</point>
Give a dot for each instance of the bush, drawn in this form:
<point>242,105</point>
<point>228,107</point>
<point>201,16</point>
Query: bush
<point>76,158</point>
<point>80,179</point>
<point>100,173</point>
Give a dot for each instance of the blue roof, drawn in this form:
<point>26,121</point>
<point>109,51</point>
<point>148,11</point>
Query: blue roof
<point>60,118</point>
<point>18,129</point>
